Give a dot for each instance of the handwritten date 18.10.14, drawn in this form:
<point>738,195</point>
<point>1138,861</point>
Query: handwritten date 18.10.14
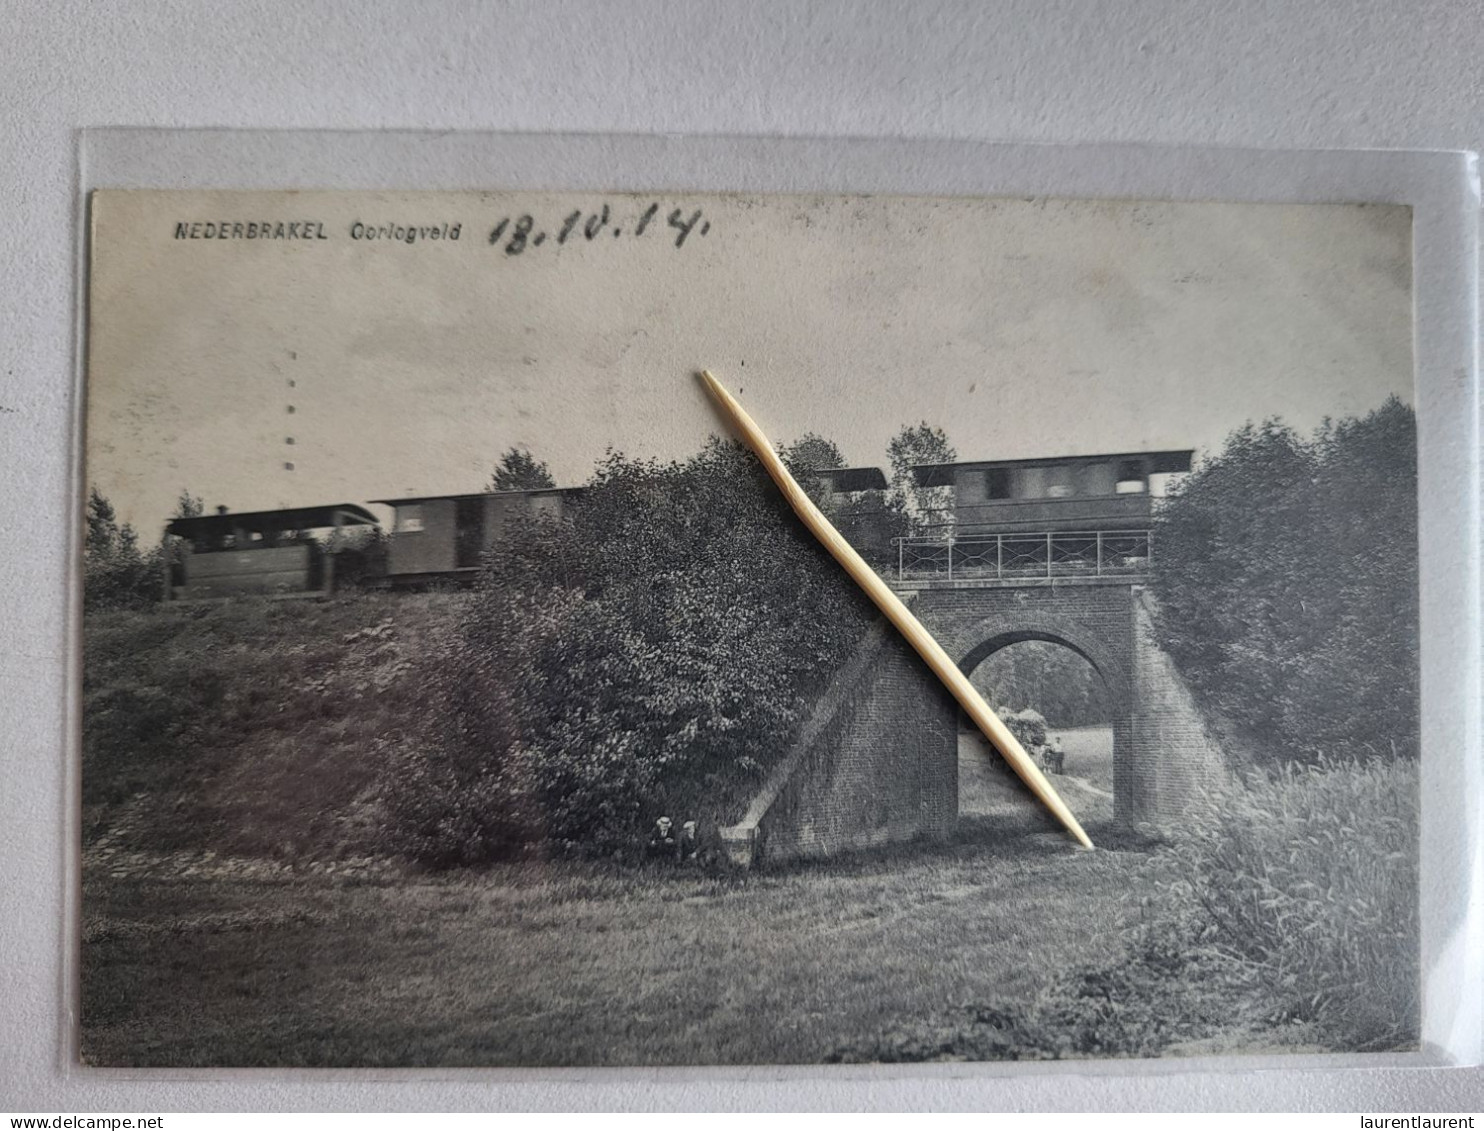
<point>521,233</point>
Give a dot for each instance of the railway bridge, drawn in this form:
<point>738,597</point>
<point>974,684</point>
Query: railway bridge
<point>876,761</point>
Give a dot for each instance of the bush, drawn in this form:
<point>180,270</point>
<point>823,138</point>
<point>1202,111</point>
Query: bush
<point>1028,726</point>
<point>651,652</point>
<point>1286,573</point>
<point>116,573</point>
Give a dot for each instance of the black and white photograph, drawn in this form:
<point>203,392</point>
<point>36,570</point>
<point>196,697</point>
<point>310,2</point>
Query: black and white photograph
<point>459,691</point>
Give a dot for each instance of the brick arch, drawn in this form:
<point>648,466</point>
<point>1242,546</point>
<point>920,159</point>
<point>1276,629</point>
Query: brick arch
<point>982,639</point>
<point>876,761</point>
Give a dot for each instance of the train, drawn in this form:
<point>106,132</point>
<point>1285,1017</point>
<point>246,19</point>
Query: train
<point>1061,515</point>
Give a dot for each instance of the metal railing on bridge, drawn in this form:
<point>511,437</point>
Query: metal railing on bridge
<point>1024,558</point>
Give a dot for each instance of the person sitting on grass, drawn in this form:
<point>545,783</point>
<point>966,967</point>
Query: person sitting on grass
<point>689,848</point>
<point>662,840</point>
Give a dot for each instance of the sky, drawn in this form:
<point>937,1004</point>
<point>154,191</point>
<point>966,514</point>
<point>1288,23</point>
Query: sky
<point>380,368</point>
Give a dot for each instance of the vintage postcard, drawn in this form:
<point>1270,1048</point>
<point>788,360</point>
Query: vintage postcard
<point>457,692</point>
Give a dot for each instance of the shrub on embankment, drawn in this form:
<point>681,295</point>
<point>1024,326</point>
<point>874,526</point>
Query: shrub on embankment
<point>117,572</point>
<point>652,652</point>
<point>1285,568</point>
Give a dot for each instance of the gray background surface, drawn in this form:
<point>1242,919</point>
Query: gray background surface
<point>1241,73</point>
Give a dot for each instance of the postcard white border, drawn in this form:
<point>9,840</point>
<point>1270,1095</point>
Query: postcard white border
<point>1441,188</point>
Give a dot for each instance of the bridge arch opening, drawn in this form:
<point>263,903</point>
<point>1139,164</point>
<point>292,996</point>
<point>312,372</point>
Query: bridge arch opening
<point>1065,711</point>
<point>1002,640</point>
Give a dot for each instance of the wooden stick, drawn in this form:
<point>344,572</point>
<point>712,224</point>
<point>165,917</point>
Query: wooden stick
<point>896,612</point>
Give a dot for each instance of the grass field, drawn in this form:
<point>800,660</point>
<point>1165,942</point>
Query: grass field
<point>234,915</point>
<point>570,964</point>
<point>241,905</point>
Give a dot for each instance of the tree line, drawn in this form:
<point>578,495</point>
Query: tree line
<point>1286,577</point>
